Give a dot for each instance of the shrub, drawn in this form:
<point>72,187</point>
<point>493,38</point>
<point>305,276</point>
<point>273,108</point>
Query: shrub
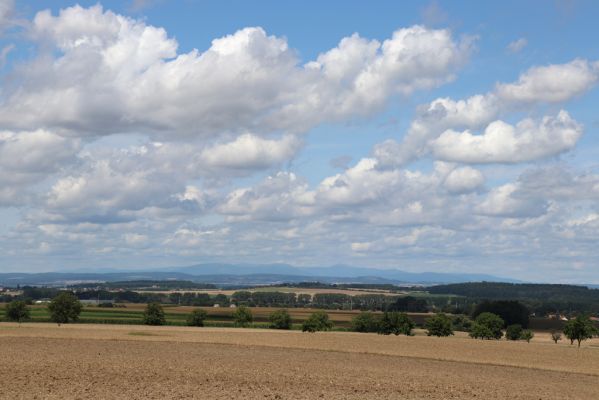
<point>243,316</point>
<point>365,322</point>
<point>280,319</point>
<point>318,321</point>
<point>396,323</point>
<point>197,317</point>
<point>64,308</point>
<point>487,326</point>
<point>511,312</point>
<point>513,332</point>
<point>527,335</point>
<point>439,325</point>
<point>556,336</point>
<point>154,315</point>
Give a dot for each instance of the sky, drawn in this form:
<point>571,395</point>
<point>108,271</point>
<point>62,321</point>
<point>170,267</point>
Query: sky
<point>438,136</point>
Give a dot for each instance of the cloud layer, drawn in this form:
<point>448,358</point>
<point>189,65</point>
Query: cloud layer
<point>116,147</point>
<point>114,74</point>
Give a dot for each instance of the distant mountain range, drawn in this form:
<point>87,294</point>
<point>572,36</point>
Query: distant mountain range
<point>250,274</point>
<point>331,273</point>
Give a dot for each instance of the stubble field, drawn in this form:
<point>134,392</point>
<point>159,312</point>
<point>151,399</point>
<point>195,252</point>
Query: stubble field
<point>136,362</point>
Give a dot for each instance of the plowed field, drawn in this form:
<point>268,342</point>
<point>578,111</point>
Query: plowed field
<point>44,361</point>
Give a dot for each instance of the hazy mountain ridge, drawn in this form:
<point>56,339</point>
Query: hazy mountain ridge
<point>340,271</point>
<point>250,274</point>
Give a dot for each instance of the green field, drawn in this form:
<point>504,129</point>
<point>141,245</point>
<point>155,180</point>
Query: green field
<point>132,314</point>
<point>175,315</point>
<point>217,317</point>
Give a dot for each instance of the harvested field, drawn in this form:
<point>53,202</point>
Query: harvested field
<point>97,361</point>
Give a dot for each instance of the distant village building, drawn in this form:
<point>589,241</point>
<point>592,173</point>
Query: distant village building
<point>557,316</point>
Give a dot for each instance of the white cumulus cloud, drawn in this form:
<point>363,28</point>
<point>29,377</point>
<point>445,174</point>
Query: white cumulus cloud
<point>551,83</point>
<point>504,143</point>
<point>539,85</point>
<point>250,152</point>
<point>112,74</point>
<point>464,180</point>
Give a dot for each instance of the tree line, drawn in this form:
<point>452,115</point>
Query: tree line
<point>65,307</point>
<point>330,301</point>
<point>541,299</point>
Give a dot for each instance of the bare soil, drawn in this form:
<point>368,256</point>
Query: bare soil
<point>44,361</point>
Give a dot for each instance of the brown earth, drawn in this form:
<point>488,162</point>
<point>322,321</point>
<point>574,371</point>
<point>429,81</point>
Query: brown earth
<point>135,362</point>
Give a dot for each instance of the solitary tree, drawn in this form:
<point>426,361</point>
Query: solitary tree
<point>64,308</point>
<point>243,316</point>
<point>280,319</point>
<point>527,335</point>
<point>556,336</point>
<point>438,325</point>
<point>17,311</point>
<point>197,317</point>
<point>396,323</point>
<point>318,321</point>
<point>154,314</point>
<point>365,322</point>
<point>487,326</point>
<point>579,329</point>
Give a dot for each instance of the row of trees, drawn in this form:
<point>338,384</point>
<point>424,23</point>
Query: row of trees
<point>65,307</point>
<point>334,301</point>
<point>399,323</point>
<point>242,316</point>
<point>331,301</point>
<point>389,323</point>
<point>486,326</point>
<point>490,326</point>
<point>30,294</point>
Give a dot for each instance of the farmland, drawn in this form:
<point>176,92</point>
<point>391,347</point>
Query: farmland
<point>176,315</point>
<point>131,314</point>
<point>108,361</point>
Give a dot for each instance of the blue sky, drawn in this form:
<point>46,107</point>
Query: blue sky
<point>426,136</point>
